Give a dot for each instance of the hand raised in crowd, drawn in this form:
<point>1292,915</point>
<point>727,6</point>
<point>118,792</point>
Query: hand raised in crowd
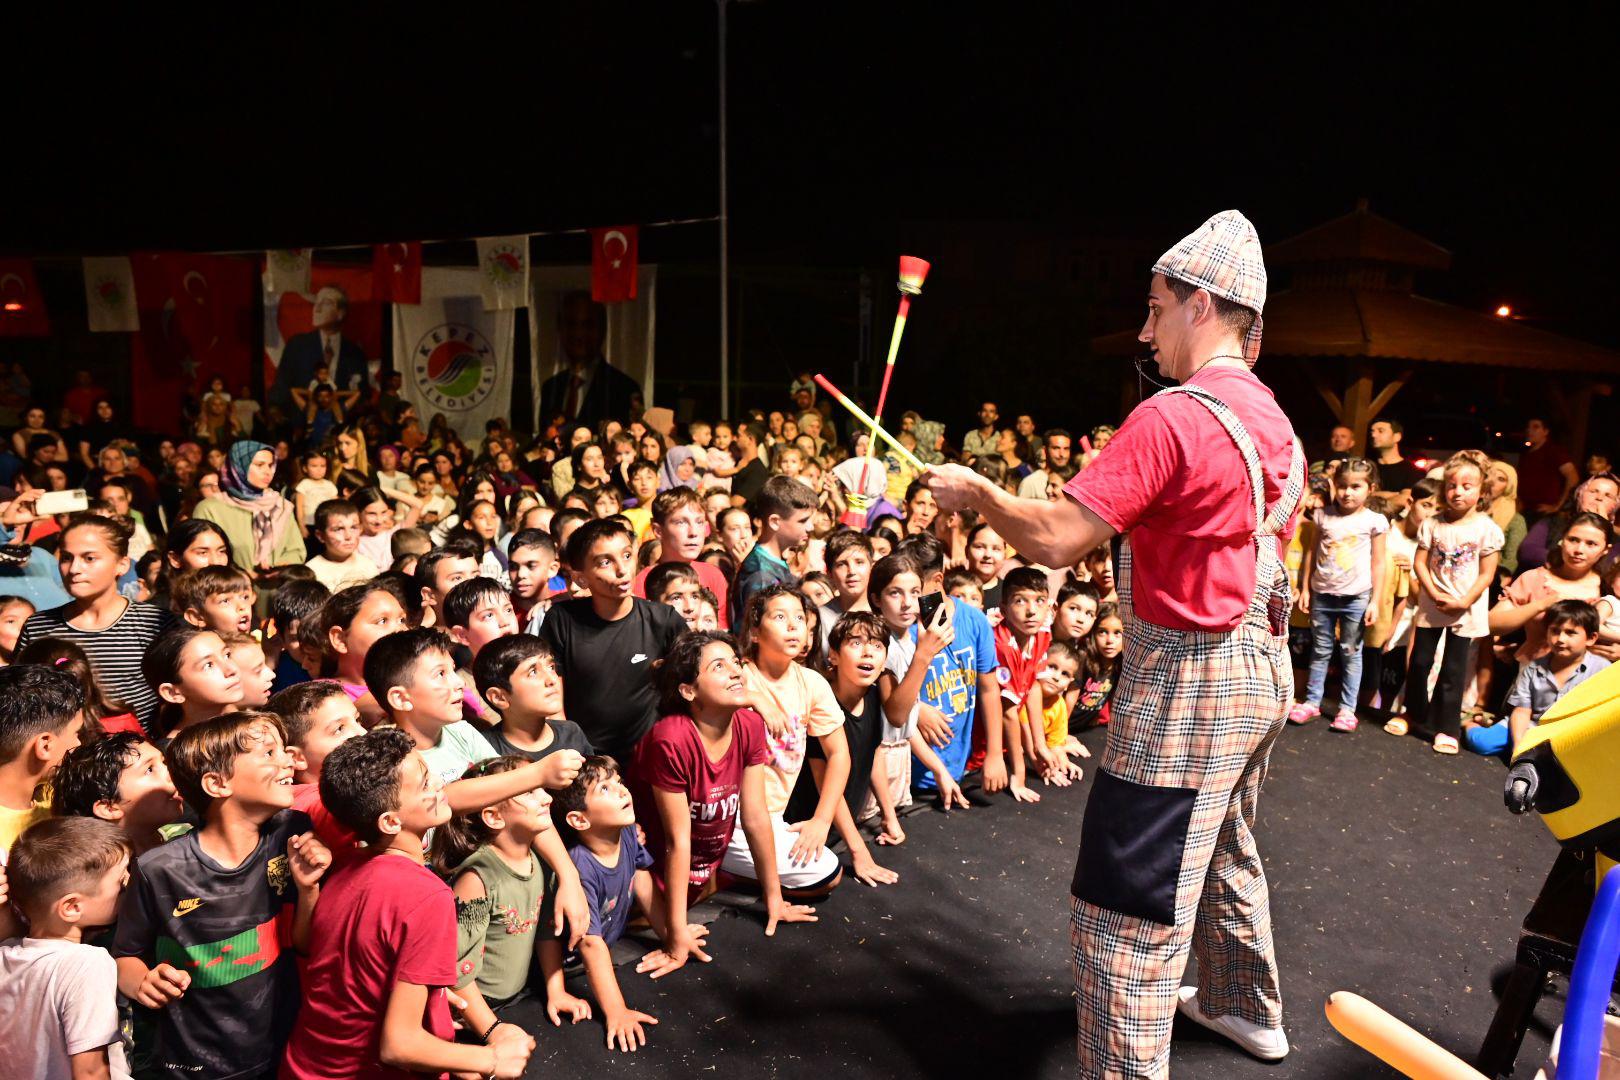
<point>558,770</point>
<point>937,635</point>
<point>308,859</point>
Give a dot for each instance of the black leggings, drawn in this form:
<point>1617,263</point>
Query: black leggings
<point>1443,714</point>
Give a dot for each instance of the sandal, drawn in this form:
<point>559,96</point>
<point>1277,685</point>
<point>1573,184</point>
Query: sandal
<point>1346,721</point>
<point>1445,744</point>
<point>1304,713</point>
<point>1396,725</point>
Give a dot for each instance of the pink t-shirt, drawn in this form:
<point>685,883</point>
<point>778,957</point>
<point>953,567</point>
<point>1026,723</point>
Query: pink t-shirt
<point>672,757</point>
<point>1523,591</point>
<point>384,920</point>
<point>1174,479</point>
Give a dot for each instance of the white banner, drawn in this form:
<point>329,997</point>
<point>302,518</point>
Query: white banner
<point>631,325</point>
<point>456,357</point>
<point>287,270</point>
<point>503,262</point>
<point>109,293</point>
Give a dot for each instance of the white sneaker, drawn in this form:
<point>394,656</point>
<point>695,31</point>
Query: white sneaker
<point>1267,1044</point>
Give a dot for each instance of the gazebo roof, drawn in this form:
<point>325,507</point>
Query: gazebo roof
<point>1351,296</point>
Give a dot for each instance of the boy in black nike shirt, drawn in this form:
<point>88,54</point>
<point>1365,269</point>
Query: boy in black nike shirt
<point>607,644</point>
<point>208,923</point>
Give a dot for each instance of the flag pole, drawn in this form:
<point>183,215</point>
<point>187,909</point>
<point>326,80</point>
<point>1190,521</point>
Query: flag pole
<point>725,246</point>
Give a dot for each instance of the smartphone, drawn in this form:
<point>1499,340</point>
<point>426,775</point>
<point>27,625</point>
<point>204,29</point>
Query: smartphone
<point>928,607</point>
<point>61,502</point>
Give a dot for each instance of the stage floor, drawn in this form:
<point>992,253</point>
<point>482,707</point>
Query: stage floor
<point>1393,872</point>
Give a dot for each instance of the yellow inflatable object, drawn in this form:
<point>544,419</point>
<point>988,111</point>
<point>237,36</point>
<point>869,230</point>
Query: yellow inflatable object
<point>1392,1042</point>
<point>1567,768</point>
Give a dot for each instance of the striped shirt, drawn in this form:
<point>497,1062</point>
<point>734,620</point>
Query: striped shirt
<point>115,653</point>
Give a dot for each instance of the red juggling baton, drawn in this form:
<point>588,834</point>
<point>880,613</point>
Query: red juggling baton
<point>913,271</point>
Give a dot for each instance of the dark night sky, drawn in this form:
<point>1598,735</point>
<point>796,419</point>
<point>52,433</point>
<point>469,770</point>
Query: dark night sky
<point>847,120</point>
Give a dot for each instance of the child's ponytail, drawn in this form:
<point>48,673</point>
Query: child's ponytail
<point>456,840</point>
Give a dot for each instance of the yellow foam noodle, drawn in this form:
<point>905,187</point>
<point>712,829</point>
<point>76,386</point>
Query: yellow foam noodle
<point>1393,1042</point>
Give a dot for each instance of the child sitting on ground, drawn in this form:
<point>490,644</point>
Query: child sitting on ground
<point>58,994</point>
<point>797,705</point>
<point>337,530</point>
<point>1571,628</point>
<point>121,779</point>
<point>614,867</point>
<point>1101,660</point>
<point>225,984</point>
<point>217,598</point>
<point>1344,570</point>
<point>502,897</point>
<point>518,676</point>
<point>1021,642</point>
<point>1077,605</point>
<point>383,942</point>
<point>190,672</point>
<point>477,612</point>
<point>1057,675</point>
<point>701,772</point>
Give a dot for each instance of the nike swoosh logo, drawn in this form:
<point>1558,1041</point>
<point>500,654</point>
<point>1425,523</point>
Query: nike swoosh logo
<point>638,658</point>
<point>186,907</point>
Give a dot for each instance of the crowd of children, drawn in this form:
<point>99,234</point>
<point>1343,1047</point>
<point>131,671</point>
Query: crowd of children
<point>334,817</point>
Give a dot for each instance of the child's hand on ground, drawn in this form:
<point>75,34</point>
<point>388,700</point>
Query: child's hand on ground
<point>891,833</point>
<point>562,1004</point>
<point>683,944</point>
<point>624,1027</point>
<point>951,792</point>
<point>558,770</point>
<point>308,859</point>
<point>811,842</point>
<point>868,872</point>
<point>1020,793</point>
<point>573,908</point>
<point>778,910</point>
<point>1082,750</point>
<point>659,963</point>
<point>994,776</point>
<point>163,984</point>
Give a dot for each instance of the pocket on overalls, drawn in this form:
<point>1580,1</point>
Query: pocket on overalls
<point>1131,845</point>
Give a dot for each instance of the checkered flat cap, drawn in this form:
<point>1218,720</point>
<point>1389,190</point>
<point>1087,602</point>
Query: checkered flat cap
<point>1223,256</point>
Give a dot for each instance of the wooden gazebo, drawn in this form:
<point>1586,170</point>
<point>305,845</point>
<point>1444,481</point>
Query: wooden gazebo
<point>1349,294</point>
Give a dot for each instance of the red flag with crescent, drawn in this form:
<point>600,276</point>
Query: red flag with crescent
<point>397,272</point>
<point>197,321</point>
<point>22,307</point>
<point>613,264</point>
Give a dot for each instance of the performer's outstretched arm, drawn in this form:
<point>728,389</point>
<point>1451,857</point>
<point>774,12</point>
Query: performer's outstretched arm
<point>1055,534</point>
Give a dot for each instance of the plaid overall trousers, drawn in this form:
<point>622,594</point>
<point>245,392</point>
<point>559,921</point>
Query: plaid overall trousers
<point>1167,860</point>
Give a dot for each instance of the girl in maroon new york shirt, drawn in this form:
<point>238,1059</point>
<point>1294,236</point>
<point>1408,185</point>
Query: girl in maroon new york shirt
<point>701,770</point>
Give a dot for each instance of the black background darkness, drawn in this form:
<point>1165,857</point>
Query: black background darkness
<point>999,140</point>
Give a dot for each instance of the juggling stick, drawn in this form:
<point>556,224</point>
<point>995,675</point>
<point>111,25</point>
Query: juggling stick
<point>855,410</point>
<point>913,271</point>
<point>1392,1042</point>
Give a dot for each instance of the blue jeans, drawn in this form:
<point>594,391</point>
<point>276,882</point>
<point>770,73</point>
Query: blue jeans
<point>1343,614</point>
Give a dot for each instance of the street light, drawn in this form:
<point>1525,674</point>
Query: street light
<point>1504,312</point>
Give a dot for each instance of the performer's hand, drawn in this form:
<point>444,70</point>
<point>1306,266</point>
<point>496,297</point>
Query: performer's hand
<point>954,486</point>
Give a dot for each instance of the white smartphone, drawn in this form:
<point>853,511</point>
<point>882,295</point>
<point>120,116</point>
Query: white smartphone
<point>61,502</point>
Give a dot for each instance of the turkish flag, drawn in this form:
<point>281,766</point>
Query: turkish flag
<point>613,264</point>
<point>397,272</point>
<point>22,307</point>
<point>197,321</point>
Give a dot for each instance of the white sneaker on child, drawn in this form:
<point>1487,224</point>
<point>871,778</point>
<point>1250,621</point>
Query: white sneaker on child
<point>1267,1044</point>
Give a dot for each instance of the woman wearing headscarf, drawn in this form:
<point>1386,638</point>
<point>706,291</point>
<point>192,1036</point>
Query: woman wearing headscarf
<point>1598,494</point>
<point>678,469</point>
<point>257,521</point>
<point>1502,489</point>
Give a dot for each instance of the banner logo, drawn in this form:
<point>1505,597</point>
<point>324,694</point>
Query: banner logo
<point>110,291</point>
<point>454,367</point>
<point>503,264</point>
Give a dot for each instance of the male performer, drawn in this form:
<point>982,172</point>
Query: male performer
<point>1206,479</point>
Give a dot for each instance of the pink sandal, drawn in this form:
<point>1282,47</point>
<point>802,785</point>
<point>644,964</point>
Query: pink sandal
<point>1346,721</point>
<point>1303,713</point>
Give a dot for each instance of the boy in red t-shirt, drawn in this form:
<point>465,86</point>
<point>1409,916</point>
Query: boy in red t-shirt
<point>681,527</point>
<point>700,771</point>
<point>319,717</point>
<point>1021,643</point>
<point>382,949</point>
